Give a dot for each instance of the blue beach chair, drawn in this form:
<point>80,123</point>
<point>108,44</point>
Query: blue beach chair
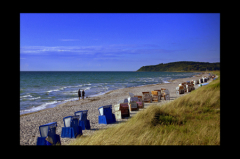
<point>83,122</point>
<point>48,135</point>
<point>105,115</point>
<point>71,127</point>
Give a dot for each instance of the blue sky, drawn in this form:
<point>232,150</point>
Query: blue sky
<point>116,41</point>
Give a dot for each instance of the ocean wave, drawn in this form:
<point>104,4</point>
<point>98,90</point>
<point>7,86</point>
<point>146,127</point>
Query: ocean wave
<point>34,98</point>
<point>166,82</point>
<point>87,88</point>
<point>37,108</point>
<point>98,94</point>
<point>25,96</point>
<point>70,92</point>
<point>105,87</point>
<point>74,86</point>
<point>55,90</point>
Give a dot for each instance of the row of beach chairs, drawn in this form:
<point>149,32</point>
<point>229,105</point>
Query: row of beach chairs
<point>73,125</point>
<point>185,87</point>
<point>188,86</point>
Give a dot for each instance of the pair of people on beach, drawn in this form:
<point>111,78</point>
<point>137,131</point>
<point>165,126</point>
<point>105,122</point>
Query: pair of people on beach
<point>79,94</point>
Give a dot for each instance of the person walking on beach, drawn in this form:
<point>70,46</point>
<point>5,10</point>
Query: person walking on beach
<point>79,94</point>
<point>83,94</point>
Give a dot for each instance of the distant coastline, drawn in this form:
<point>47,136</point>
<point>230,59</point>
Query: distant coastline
<point>181,66</point>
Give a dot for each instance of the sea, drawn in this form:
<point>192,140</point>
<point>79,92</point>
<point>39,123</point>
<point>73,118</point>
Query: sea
<point>45,89</point>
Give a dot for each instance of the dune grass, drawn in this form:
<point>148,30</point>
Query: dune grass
<point>193,119</point>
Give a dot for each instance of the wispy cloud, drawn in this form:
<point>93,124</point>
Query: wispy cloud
<point>69,39</point>
<point>108,51</point>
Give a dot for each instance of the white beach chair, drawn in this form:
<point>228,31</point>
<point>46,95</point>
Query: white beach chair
<point>132,102</point>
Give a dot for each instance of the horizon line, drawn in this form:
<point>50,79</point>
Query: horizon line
<point>77,71</point>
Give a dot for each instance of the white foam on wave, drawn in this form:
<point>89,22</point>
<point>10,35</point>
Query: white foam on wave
<point>34,98</point>
<point>55,90</point>
<point>37,108</point>
<point>166,82</point>
<point>25,96</point>
<point>74,86</point>
<point>98,94</point>
<point>87,88</point>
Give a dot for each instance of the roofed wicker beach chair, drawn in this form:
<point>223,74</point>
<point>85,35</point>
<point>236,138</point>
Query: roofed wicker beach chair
<point>83,122</point>
<point>140,102</point>
<point>165,93</point>
<point>159,93</point>
<point>195,82</point>
<point>121,109</point>
<point>190,87</point>
<point>184,86</point>
<point>147,97</point>
<point>133,105</point>
<point>155,96</point>
<point>105,115</point>
<point>180,89</point>
<point>71,127</point>
<point>204,79</point>
<point>48,134</point>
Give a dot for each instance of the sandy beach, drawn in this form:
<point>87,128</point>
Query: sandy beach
<point>29,123</point>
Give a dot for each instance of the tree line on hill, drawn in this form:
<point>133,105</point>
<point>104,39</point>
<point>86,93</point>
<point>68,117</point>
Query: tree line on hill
<point>181,66</point>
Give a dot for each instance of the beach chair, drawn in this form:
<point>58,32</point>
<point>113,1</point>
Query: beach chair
<point>48,135</point>
<point>147,97</point>
<point>71,127</point>
<point>162,93</point>
<point>105,115</point>
<point>192,85</point>
<point>167,96</point>
<point>155,96</point>
<point>189,87</point>
<point>195,82</point>
<point>180,89</point>
<point>184,86</point>
<point>165,93</point>
<point>133,105</point>
<point>192,82</point>
<point>121,110</point>
<point>83,122</point>
<point>204,79</point>
<point>140,102</point>
<point>159,93</point>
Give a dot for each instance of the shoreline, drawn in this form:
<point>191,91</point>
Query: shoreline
<point>30,122</point>
<point>52,105</point>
